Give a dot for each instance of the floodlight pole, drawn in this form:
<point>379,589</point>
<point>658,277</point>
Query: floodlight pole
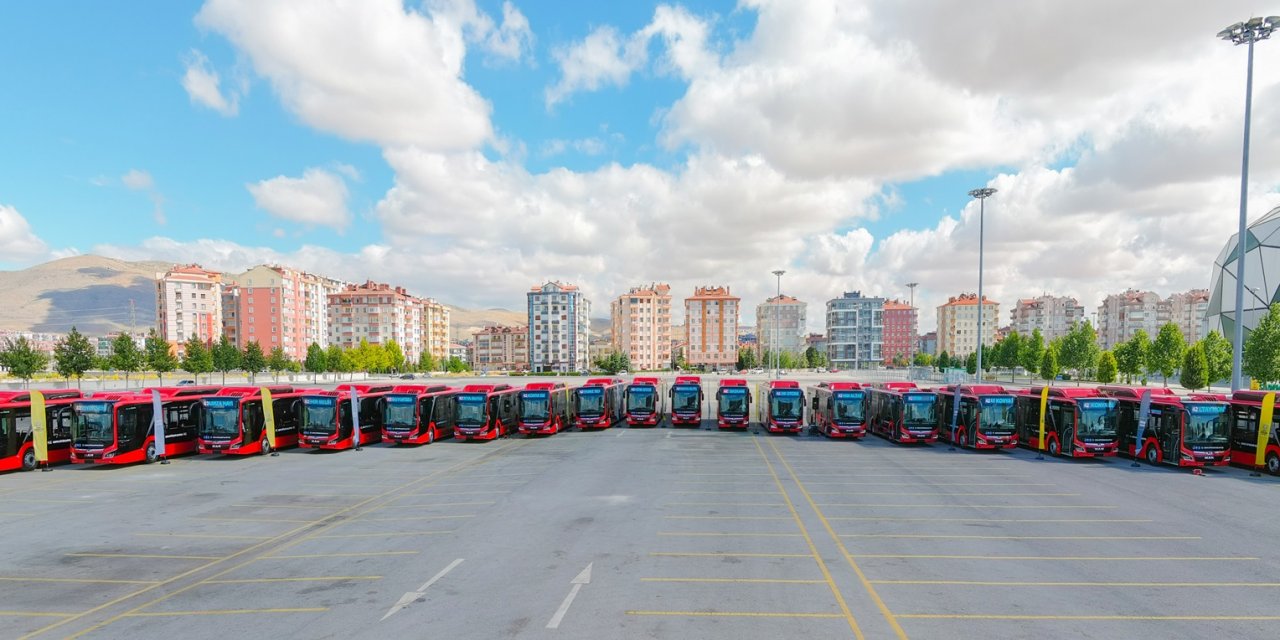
<point>982,195</point>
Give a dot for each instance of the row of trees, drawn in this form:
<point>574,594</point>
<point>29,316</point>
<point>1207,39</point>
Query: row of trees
<point>749,358</point>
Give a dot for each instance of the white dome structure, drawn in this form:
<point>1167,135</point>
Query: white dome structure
<point>1261,278</point>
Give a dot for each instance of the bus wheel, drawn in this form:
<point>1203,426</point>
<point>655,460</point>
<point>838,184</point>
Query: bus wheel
<point>29,460</point>
<point>1273,464</point>
<point>151,453</point>
<point>431,436</point>
<point>1153,455</point>
<point>1055,449</point>
<point>266,446</point>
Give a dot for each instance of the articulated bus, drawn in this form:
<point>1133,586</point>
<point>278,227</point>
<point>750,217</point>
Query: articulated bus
<point>418,414</point>
<point>902,413</point>
<point>17,449</point>
<point>1246,411</point>
<point>1080,423</point>
<point>326,417</point>
<point>986,419</point>
<point>599,404</point>
<point>544,408</point>
<point>733,404</point>
<point>485,412</point>
<point>645,402</point>
<point>234,423</point>
<point>116,428</point>
<point>1183,433</point>
<point>839,409</point>
<point>686,401</point>
<point>781,406</point>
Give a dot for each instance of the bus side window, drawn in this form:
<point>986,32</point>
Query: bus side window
<point>1062,415</point>
<point>1244,430</point>
<point>969,413</point>
<point>60,423</point>
<point>286,418</point>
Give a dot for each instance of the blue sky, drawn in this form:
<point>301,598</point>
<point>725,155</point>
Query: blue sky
<point>613,144</point>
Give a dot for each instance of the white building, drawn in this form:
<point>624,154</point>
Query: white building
<point>1054,316</point>
<point>189,303</point>
<point>781,324</point>
<point>855,331</point>
<point>559,328</point>
<point>958,331</point>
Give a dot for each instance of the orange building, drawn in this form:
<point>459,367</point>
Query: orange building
<point>899,337</point>
<point>711,327</point>
<point>641,320</point>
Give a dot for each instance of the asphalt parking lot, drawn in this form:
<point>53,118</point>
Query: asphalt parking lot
<point>632,533</point>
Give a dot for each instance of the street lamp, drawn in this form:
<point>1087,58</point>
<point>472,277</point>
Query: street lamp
<point>911,349</point>
<point>982,195</point>
<point>777,354</point>
<point>1244,33</point>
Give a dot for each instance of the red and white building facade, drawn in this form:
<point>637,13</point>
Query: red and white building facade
<point>641,326</point>
<point>379,312</point>
<point>711,327</point>
<point>278,307</point>
<point>899,337</point>
<point>189,303</point>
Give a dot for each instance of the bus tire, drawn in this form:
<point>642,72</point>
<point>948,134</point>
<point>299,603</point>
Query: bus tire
<point>151,453</point>
<point>1273,464</point>
<point>29,460</point>
<point>1152,455</point>
<point>1055,449</point>
<point>431,436</point>
<point>266,446</point>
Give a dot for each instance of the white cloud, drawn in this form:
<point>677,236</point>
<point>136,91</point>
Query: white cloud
<point>587,146</point>
<point>18,243</point>
<point>511,41</point>
<point>139,180</point>
<point>396,79</point>
<point>317,198</point>
<point>204,86</point>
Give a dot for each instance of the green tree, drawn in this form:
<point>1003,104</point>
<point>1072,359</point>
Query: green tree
<point>197,358</point>
<point>394,355</point>
<point>456,365</point>
<point>971,363</point>
<point>746,358</point>
<point>277,361</point>
<point>125,356</point>
<point>1107,367</point>
<point>788,360</point>
<point>1078,350</point>
<point>1262,348</point>
<point>316,362</point>
<point>365,357</point>
<point>1007,351</point>
<point>333,359</point>
<point>225,357</point>
<point>988,358</point>
<point>1195,368</point>
<point>614,363</point>
<point>73,355</point>
<point>922,359</point>
<point>1166,352</point>
<point>427,362</point>
<point>811,357</point>
<point>1032,351</point>
<point>1217,355</point>
<point>1131,356</point>
<point>22,359</point>
<point>943,361</point>
<point>1049,364</point>
<point>253,361</point>
<point>157,356</point>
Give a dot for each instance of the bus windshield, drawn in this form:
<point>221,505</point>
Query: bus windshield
<point>997,414</point>
<point>471,409</point>
<point>93,423</point>
<point>1207,424</point>
<point>848,407</point>
<point>1097,418</point>
<point>918,410</point>
<point>535,406</point>
<point>221,418</point>
<point>590,401</point>
<point>319,415</point>
<point>733,402</point>
<point>399,411</point>
<point>641,399</point>
<point>785,404</point>
<point>685,398</point>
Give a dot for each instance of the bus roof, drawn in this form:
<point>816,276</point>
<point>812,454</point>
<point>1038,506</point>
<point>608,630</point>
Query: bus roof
<point>1210,397</point>
<point>645,380</point>
<point>49,394</point>
<point>733,382</point>
<point>365,388</point>
<point>1158,394</point>
<point>974,389</point>
<point>544,386</point>
<point>485,388</point>
<point>419,388</point>
<point>840,386</point>
<point>784,384</point>
<point>181,392</point>
<point>688,380</point>
<point>602,382</point>
<point>901,385</point>
<point>1066,392</point>
<point>1253,396</point>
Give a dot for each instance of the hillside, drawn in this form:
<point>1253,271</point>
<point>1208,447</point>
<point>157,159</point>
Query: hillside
<point>91,292</point>
<point>464,322</point>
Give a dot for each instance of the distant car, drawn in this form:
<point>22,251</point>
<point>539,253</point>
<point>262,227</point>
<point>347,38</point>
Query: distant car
<point>833,370</point>
<point>408,376</point>
<point>186,383</point>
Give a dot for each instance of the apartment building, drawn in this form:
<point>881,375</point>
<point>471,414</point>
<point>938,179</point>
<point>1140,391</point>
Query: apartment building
<point>559,328</point>
<point>641,326</point>
<point>958,332</point>
<point>899,338</point>
<point>189,303</point>
<point>781,324</point>
<point>711,327</point>
<point>278,306</point>
<point>500,348</point>
<point>855,331</point>
<point>1121,315</point>
<point>377,313</point>
<point>1054,316</point>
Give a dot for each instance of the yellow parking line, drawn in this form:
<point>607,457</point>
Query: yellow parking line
<point>969,537</point>
<point>201,535</point>
<point>735,614</point>
<point>982,616</point>
<point>728,517</point>
<point>313,579</point>
<point>736,580</point>
<point>1054,557</point>
<point>972,506</point>
<point>34,614</point>
<point>729,554</point>
<point>221,612</point>
<point>897,519</point>
<point>381,534</point>
<point>981,583</point>
<point>465,515</point>
<point>350,554</point>
<point>140,555</point>
<point>729,534</point>
<point>74,580</point>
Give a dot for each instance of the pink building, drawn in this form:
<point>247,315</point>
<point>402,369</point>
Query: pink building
<point>189,303</point>
<point>377,313</point>
<point>899,331</point>
<point>278,307</point>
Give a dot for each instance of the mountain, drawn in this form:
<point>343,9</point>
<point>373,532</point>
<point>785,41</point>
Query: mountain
<point>464,322</point>
<point>98,295</point>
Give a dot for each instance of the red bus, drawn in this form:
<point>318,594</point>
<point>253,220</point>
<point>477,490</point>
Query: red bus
<point>485,412</point>
<point>418,414</point>
<point>116,428</point>
<point>986,419</point>
<point>326,417</point>
<point>544,408</point>
<point>782,406</point>
<point>901,412</point>
<point>686,401</point>
<point>733,404</point>
<point>234,423</point>
<point>644,402</point>
<point>599,404</point>
<point>1246,411</point>
<point>17,448</point>
<point>839,409</point>
<point>1183,433</point>
<point>1080,422</point>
